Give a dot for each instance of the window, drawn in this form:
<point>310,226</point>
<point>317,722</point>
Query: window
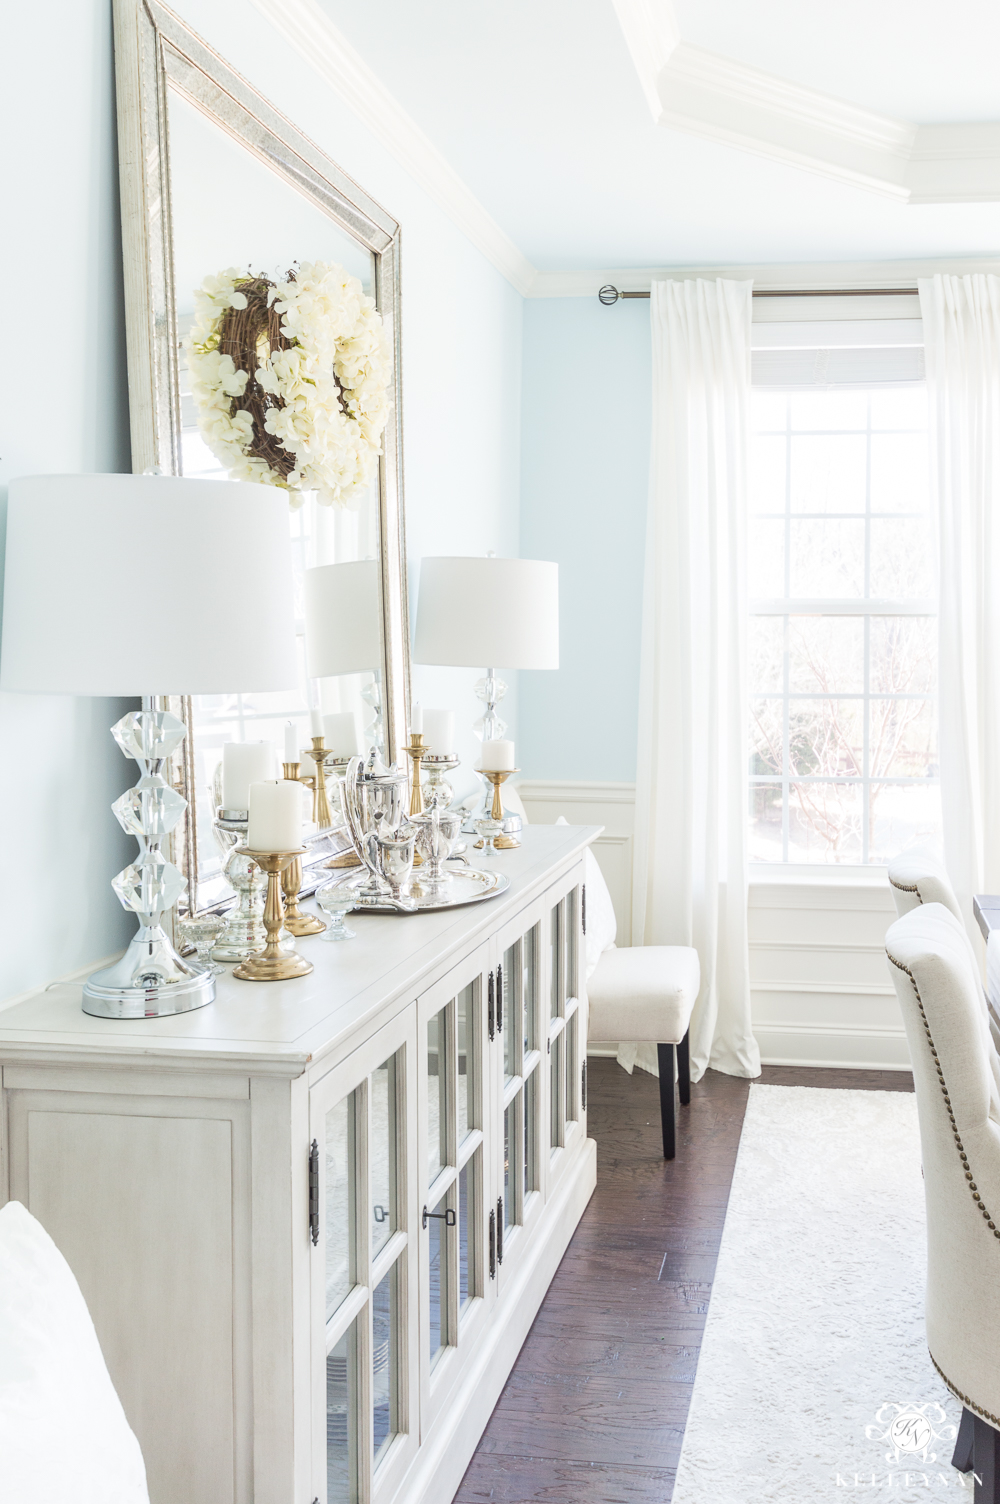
<point>843,645</point>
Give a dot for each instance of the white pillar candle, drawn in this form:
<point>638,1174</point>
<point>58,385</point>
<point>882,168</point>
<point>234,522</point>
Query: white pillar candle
<point>497,757</point>
<point>439,731</point>
<point>291,742</point>
<point>343,733</point>
<point>275,816</point>
<point>416,718</point>
<point>315,723</point>
<point>244,763</point>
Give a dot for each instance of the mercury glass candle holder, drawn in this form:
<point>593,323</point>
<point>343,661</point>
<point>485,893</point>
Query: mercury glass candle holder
<point>438,792</point>
<point>244,933</point>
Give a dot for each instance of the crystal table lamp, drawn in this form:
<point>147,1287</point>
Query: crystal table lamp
<point>473,612</point>
<point>119,584</point>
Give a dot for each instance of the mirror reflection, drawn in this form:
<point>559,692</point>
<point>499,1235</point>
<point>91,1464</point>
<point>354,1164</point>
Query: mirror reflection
<point>232,214</point>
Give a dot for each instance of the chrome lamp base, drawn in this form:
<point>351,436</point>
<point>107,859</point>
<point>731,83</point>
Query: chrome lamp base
<point>149,981</point>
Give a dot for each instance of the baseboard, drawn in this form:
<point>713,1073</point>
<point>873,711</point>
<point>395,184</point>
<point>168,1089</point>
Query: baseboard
<point>855,1049</point>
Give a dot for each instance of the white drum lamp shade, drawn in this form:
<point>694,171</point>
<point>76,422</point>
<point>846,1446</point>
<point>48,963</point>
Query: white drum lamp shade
<point>343,619</point>
<point>146,584</point>
<point>501,613</point>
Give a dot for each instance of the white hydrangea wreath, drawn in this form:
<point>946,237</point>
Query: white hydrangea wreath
<point>290,379</point>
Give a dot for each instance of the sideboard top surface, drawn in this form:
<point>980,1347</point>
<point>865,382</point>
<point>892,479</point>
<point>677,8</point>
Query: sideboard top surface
<point>282,1026</point>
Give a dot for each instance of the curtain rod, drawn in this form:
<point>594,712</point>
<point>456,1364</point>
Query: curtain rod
<point>610,295</point>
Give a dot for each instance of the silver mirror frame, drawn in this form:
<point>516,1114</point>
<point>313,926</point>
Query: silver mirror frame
<point>154,50</point>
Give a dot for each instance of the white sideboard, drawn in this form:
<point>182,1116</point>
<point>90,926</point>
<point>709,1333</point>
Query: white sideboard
<point>241,1191</point>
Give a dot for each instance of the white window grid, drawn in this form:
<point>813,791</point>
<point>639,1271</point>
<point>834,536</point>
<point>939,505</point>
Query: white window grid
<point>865,607</point>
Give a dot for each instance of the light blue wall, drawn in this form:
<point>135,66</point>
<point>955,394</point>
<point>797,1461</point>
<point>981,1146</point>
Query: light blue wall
<point>64,408</point>
<point>584,469</point>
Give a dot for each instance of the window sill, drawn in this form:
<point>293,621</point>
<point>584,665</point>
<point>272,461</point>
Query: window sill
<point>818,874</point>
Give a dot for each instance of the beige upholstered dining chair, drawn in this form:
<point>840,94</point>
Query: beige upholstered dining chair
<point>918,876</point>
<point>955,1072</point>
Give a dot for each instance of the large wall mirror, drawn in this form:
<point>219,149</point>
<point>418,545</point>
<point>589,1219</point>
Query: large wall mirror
<point>213,177</point>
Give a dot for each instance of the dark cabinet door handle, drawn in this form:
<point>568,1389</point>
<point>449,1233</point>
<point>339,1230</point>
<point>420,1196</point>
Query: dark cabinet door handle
<point>499,1229</point>
<point>493,1245</point>
<point>499,999</point>
<point>490,1015</point>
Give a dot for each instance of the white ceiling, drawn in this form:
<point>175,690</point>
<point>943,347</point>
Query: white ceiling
<point>540,110</point>
<point>923,60</point>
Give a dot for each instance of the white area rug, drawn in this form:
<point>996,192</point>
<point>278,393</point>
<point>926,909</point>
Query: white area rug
<point>814,1342</point>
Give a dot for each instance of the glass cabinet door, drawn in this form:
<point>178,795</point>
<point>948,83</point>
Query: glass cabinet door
<point>362,1242</point>
<point>564,1047</point>
<point>516,1084</point>
<point>453,1190</point>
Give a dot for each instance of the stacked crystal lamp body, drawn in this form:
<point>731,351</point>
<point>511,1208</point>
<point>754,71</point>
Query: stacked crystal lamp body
<point>150,885</point>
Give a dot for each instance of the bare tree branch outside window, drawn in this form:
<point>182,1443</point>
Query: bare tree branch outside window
<point>843,647</point>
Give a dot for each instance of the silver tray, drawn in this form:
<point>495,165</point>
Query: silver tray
<point>468,885</point>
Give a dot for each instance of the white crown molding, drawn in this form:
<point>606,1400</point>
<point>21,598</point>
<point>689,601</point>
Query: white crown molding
<point>704,94</point>
<point>307,28</point>
<point>651,34</point>
<point>805,274</point>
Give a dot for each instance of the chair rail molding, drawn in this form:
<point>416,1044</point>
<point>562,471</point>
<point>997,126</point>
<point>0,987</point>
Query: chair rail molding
<point>305,26</point>
<point>704,94</point>
<point>819,987</point>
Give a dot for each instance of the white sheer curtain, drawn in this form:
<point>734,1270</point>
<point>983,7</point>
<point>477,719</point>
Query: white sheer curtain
<point>690,874</point>
<point>961,318</point>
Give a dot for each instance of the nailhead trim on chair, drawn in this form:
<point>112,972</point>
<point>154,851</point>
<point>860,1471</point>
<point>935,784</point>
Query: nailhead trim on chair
<point>973,1190</point>
<point>905,888</point>
<point>966,1401</point>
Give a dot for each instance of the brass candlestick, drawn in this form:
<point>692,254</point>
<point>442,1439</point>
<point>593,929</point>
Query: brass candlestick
<point>321,808</point>
<point>416,752</point>
<point>498,777</point>
<point>273,964</point>
<point>296,923</point>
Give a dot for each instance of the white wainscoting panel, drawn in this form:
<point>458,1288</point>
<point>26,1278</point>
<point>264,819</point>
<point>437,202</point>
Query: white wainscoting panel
<point>609,804</point>
<point>820,988</point>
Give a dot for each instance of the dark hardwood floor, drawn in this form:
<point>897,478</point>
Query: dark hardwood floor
<point>594,1409</point>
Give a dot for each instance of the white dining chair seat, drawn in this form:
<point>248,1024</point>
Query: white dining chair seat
<point>644,994</point>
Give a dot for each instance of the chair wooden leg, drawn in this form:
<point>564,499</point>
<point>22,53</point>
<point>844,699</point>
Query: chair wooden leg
<point>986,1469</point>
<point>665,1061</point>
<point>684,1069</point>
<point>962,1456</point>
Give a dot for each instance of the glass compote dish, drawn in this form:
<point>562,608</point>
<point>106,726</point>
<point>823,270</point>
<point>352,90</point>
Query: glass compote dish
<point>336,901</point>
<point>488,830</point>
<point>201,931</point>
